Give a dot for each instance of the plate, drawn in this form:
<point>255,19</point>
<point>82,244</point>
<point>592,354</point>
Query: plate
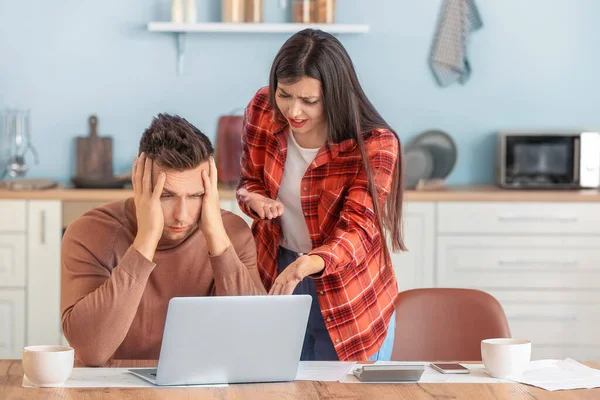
<point>442,149</point>
<point>419,165</point>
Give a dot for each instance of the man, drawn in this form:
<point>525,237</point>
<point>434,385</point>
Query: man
<point>124,261</point>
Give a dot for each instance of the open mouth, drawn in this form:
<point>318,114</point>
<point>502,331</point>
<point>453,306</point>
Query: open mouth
<point>297,123</point>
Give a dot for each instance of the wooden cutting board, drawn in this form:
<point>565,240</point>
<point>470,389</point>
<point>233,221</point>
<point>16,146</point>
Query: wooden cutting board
<point>94,154</point>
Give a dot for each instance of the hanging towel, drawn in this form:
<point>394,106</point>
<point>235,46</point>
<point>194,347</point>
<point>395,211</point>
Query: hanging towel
<point>448,59</point>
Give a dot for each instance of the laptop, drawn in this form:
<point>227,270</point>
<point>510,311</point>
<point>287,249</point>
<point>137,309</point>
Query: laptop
<point>230,339</point>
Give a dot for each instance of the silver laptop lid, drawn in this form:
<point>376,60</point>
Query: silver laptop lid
<point>232,339</point>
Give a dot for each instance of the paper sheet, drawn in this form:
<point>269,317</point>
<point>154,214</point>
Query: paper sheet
<point>477,374</point>
<point>107,378</point>
<point>324,371</point>
<point>559,375</point>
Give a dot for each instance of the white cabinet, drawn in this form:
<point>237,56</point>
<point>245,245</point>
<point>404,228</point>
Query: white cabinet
<point>44,235</point>
<point>12,323</point>
<point>559,323</point>
<point>13,215</point>
<point>540,260</point>
<point>414,268</point>
<point>519,218</point>
<point>30,235</point>
<point>525,262</point>
<point>12,259</point>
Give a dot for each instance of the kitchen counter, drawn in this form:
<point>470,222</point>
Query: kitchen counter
<point>452,193</point>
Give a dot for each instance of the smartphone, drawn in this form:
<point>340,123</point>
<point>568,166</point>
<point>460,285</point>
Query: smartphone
<point>449,368</point>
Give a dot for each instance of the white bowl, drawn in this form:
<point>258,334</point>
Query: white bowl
<point>48,366</point>
<point>505,357</point>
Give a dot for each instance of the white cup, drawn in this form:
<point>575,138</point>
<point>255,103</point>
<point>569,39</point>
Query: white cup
<point>504,357</point>
<point>48,366</point>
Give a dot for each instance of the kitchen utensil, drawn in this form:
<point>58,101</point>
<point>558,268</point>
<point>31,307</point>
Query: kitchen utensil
<point>18,142</point>
<point>102,183</point>
<point>28,184</point>
<point>442,149</point>
<point>229,149</point>
<point>94,154</point>
<point>419,165</point>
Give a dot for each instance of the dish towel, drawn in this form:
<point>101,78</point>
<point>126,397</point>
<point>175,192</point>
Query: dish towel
<point>448,59</point>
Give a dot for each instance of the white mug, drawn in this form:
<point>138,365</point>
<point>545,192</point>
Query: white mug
<point>48,366</point>
<point>505,357</point>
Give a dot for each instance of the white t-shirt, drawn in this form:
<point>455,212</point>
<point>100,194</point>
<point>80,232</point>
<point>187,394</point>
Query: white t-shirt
<point>295,232</point>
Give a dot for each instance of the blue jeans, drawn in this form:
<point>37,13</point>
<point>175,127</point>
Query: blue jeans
<point>317,342</point>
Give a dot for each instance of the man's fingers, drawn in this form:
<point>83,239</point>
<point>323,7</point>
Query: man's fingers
<point>160,184</point>
<point>147,180</point>
<point>213,171</point>
<point>139,173</point>
<point>207,181</point>
<point>133,168</point>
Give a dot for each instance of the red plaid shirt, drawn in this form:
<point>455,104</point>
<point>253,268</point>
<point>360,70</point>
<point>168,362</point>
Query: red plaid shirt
<point>356,293</point>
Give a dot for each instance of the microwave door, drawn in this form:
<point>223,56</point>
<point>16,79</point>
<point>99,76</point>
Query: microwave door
<point>541,161</point>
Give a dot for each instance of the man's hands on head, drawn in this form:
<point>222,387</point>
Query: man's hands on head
<point>149,214</point>
<point>211,222</point>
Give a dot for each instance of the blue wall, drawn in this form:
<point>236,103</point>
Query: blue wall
<point>535,65</point>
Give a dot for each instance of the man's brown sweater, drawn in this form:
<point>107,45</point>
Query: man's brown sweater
<point>114,301</point>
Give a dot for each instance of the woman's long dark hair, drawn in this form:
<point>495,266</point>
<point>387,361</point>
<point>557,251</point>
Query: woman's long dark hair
<point>349,113</point>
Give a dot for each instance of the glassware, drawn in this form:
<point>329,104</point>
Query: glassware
<point>326,11</point>
<point>304,11</point>
<point>18,142</point>
<point>311,11</point>
<point>233,10</point>
<point>254,11</point>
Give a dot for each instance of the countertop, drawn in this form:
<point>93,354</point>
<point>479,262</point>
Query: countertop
<point>451,193</point>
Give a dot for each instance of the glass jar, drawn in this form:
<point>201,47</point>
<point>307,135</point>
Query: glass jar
<point>304,11</point>
<point>232,10</point>
<point>326,11</point>
<point>254,11</point>
<point>17,143</point>
<point>311,11</point>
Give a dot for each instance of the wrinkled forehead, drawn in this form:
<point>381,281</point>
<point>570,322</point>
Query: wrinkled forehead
<point>184,182</point>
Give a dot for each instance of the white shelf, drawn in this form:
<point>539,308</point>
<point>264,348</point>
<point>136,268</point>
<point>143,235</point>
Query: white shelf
<point>182,29</point>
<point>225,27</point>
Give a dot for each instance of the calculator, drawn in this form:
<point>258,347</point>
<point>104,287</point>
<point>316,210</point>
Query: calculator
<point>389,373</point>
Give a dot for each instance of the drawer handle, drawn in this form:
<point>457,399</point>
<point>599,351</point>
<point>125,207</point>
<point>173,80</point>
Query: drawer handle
<point>43,227</point>
<point>572,263</point>
<point>528,218</point>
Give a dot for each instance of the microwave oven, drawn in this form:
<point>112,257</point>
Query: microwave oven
<point>548,160</point>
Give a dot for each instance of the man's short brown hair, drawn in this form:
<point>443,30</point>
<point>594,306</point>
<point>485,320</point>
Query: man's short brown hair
<point>172,142</point>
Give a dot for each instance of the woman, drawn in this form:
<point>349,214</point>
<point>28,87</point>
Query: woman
<point>316,154</point>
